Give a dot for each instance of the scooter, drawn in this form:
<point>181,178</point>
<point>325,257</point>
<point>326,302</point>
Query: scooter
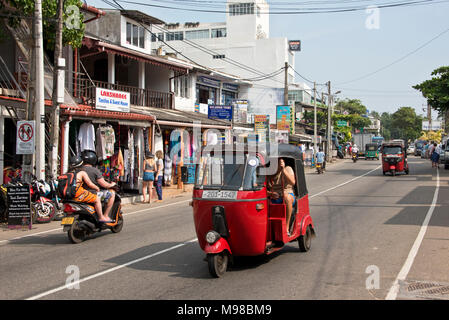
<point>52,194</point>
<point>319,168</point>
<point>354,157</point>
<point>81,220</point>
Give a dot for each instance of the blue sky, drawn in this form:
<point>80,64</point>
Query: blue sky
<point>338,47</point>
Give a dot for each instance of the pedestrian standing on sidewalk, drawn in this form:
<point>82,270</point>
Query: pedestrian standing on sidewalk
<point>435,156</point>
<point>160,174</point>
<point>148,177</point>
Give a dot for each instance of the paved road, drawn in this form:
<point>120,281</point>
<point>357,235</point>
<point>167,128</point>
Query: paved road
<point>366,224</point>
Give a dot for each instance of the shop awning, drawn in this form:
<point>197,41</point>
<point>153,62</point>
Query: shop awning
<point>300,138</point>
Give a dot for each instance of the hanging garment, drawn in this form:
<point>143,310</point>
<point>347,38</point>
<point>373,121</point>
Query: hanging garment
<point>158,143</point>
<point>86,137</point>
<point>100,146</point>
<point>121,163</point>
<point>109,140</point>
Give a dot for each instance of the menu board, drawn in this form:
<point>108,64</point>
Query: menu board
<point>19,206</point>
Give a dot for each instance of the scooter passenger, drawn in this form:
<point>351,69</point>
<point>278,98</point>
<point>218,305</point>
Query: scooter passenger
<point>107,194</point>
<point>84,195</point>
<point>280,188</point>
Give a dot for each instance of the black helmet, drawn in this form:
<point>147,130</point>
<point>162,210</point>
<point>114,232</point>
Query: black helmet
<point>76,162</point>
<point>89,157</point>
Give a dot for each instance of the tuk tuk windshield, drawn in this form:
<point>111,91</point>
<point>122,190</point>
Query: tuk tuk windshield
<point>371,147</point>
<point>392,150</point>
<point>229,172</point>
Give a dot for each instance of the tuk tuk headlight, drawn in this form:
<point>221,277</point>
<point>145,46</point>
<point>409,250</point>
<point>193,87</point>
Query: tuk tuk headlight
<point>212,237</point>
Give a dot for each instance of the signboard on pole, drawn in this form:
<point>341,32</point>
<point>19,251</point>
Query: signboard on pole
<point>294,45</point>
<point>220,112</point>
<point>19,206</point>
<point>262,126</point>
<point>111,100</point>
<point>25,142</point>
<point>285,119</point>
<point>341,123</point>
<point>434,126</point>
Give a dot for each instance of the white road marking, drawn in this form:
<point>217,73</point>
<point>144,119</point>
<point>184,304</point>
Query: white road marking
<point>59,229</point>
<point>394,290</point>
<point>41,295</point>
<point>344,183</point>
<point>96,275</point>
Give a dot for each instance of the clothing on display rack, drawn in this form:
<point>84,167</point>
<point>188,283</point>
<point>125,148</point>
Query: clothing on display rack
<point>86,137</point>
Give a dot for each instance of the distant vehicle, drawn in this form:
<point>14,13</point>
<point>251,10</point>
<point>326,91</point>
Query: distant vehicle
<point>419,145</point>
<point>411,149</point>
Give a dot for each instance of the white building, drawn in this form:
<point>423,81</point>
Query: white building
<point>240,46</point>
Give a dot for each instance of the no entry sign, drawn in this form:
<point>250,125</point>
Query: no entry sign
<point>25,137</point>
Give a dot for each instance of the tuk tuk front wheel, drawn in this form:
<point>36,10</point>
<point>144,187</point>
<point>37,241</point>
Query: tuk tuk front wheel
<point>218,263</point>
<point>305,241</point>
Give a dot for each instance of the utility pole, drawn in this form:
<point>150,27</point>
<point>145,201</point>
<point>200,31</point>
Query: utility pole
<point>286,84</point>
<point>429,115</point>
<point>39,106</point>
<point>58,91</point>
<point>315,140</point>
<point>329,124</point>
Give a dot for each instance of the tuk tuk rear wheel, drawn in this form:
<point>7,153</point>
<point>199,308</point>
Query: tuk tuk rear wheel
<point>305,241</point>
<point>218,264</point>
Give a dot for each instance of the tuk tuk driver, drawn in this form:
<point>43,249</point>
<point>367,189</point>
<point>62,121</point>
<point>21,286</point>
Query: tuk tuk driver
<point>280,188</point>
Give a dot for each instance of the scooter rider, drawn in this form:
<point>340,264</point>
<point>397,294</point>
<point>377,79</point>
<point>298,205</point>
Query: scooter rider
<point>355,150</point>
<point>90,160</point>
<point>320,158</point>
<point>82,193</point>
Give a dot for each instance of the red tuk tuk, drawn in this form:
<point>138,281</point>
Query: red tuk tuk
<point>232,213</point>
<point>394,157</point>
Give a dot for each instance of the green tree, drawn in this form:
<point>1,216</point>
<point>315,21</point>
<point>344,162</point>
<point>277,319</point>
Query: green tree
<point>352,106</point>
<point>406,124</point>
<point>73,32</point>
<point>436,90</point>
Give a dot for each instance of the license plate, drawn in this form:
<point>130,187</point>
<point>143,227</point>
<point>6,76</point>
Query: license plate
<point>67,221</point>
<point>213,194</point>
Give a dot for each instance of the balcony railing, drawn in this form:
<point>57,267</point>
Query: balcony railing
<point>84,89</point>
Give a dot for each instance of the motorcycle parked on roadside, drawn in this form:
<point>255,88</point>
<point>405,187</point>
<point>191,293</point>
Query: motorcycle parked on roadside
<point>45,208</point>
<point>52,194</point>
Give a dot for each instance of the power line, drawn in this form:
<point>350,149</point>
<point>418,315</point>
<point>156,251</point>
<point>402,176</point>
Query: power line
<point>292,11</point>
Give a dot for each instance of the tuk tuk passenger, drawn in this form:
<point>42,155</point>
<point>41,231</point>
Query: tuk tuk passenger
<point>280,188</point>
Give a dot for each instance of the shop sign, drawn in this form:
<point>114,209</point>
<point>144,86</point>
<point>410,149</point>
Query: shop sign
<point>232,87</point>
<point>208,81</point>
<point>25,141</point>
<point>294,45</point>
<point>220,112</point>
<point>434,126</point>
<point>285,119</point>
<point>111,100</point>
<point>19,206</point>
<point>262,126</point>
<point>341,123</point>
<point>240,111</point>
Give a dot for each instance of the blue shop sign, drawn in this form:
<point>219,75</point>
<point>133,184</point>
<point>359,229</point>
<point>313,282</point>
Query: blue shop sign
<point>231,87</point>
<point>220,112</point>
<point>208,81</point>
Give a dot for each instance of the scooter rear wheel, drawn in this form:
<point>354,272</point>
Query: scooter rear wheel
<point>119,226</point>
<point>218,264</point>
<point>75,234</point>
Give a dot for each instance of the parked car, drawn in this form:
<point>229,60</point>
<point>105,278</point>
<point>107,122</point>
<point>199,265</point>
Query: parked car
<point>411,149</point>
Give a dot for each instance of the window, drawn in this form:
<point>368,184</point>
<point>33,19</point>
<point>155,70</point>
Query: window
<point>170,36</point>
<point>181,86</point>
<point>160,37</point>
<point>135,35</point>
<point>197,34</point>
<point>240,9</point>
<point>218,33</point>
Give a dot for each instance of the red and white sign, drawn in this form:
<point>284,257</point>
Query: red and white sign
<point>25,137</point>
<point>112,100</point>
